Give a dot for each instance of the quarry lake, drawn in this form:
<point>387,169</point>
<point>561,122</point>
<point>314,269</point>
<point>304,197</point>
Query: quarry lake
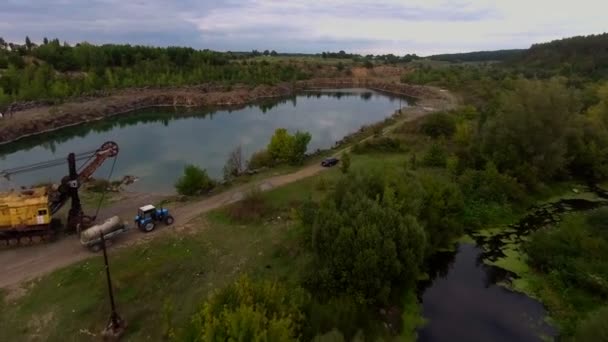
<point>156,144</point>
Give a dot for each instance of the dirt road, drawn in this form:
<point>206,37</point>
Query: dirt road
<point>21,264</point>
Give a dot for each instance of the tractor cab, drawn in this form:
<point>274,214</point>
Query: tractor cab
<point>148,215</point>
<point>146,212</point>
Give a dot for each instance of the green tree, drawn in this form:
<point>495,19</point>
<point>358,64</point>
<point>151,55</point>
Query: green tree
<point>250,311</point>
<point>284,147</point>
<point>28,43</point>
<point>195,181</point>
<point>436,156</point>
<point>439,124</point>
<point>299,146</point>
<point>594,328</point>
<point>527,137</point>
<point>281,145</point>
<point>365,237</point>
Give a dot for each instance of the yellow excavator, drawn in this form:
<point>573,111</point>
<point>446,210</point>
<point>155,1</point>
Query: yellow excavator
<point>29,214</point>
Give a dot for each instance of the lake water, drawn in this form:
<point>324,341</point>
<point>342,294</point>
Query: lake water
<point>156,144</point>
<point>463,302</point>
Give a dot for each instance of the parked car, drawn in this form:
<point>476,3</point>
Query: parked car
<point>329,162</point>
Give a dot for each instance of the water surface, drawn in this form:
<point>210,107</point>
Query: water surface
<point>463,303</point>
<point>155,144</point>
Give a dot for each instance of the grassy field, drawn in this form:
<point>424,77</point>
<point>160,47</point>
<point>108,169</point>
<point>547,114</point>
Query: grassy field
<point>171,275</point>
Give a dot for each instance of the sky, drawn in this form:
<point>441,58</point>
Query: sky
<point>423,27</point>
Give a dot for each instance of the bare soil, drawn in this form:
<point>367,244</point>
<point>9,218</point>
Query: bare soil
<point>21,264</point>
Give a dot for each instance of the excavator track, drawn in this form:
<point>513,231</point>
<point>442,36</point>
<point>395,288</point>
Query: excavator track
<point>30,235</point>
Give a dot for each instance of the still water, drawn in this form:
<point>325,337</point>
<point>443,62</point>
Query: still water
<point>155,144</point>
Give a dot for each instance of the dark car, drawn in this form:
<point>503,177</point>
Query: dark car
<point>329,162</point>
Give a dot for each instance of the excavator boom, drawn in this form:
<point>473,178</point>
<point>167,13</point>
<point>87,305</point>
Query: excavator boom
<point>58,195</point>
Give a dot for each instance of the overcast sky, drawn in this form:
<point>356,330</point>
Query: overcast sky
<point>365,26</point>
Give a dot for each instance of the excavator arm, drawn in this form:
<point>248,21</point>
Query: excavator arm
<point>68,188</point>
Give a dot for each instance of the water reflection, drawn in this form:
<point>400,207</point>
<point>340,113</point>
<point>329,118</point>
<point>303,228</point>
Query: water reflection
<point>157,143</point>
<point>464,304</point>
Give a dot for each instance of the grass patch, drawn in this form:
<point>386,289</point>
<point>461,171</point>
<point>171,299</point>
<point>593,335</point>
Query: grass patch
<point>178,269</point>
<point>513,261</point>
<point>411,317</point>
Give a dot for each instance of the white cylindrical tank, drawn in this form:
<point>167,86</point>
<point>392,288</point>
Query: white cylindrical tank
<point>110,225</point>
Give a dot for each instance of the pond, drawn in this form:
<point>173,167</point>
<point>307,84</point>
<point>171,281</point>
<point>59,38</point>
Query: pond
<point>463,299</point>
<point>463,302</point>
<point>156,144</point>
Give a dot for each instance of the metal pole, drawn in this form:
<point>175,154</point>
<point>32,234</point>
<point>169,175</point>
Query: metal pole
<point>116,326</point>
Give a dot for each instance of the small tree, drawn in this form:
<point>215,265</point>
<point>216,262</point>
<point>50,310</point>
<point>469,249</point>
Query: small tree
<point>439,124</point>
<point>436,156</point>
<point>284,147</point>
<point>345,162</point>
<point>28,43</point>
<point>194,181</point>
<point>235,164</point>
<point>299,146</point>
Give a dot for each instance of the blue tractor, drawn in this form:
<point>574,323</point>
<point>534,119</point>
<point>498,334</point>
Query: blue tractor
<point>148,215</point>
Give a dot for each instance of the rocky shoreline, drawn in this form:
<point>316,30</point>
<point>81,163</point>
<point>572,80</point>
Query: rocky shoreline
<point>42,119</point>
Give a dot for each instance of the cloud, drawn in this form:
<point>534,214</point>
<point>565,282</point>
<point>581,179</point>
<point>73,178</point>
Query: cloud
<point>364,26</point>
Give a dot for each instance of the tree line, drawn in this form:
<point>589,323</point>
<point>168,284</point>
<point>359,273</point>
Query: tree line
<point>54,70</point>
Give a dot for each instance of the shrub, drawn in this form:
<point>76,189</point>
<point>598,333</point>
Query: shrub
<point>594,328</point>
<point>259,160</point>
<point>234,165</point>
<point>252,208</point>
<point>442,210</point>
<point>284,147</point>
<point>381,144</point>
<point>345,162</point>
<point>195,181</point>
<point>436,156</point>
<point>250,311</point>
<point>439,124</point>
<point>490,185</point>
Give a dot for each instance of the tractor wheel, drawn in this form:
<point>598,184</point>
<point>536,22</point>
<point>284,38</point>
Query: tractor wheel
<point>95,248</point>
<point>169,220</point>
<point>148,227</point>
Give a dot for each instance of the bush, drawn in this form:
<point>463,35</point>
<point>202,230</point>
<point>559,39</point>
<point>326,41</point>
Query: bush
<point>490,185</point>
<point>260,160</point>
<point>439,124</point>
<point>574,253</point>
<point>195,181</point>
<point>381,144</point>
<point>284,147</point>
<point>594,328</point>
<point>234,165</point>
<point>252,208</point>
<point>436,156</point>
<point>345,162</point>
<point>442,210</point>
<point>250,311</point>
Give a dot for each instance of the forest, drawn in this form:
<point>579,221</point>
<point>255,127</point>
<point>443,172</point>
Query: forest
<point>54,70</point>
<point>479,56</point>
